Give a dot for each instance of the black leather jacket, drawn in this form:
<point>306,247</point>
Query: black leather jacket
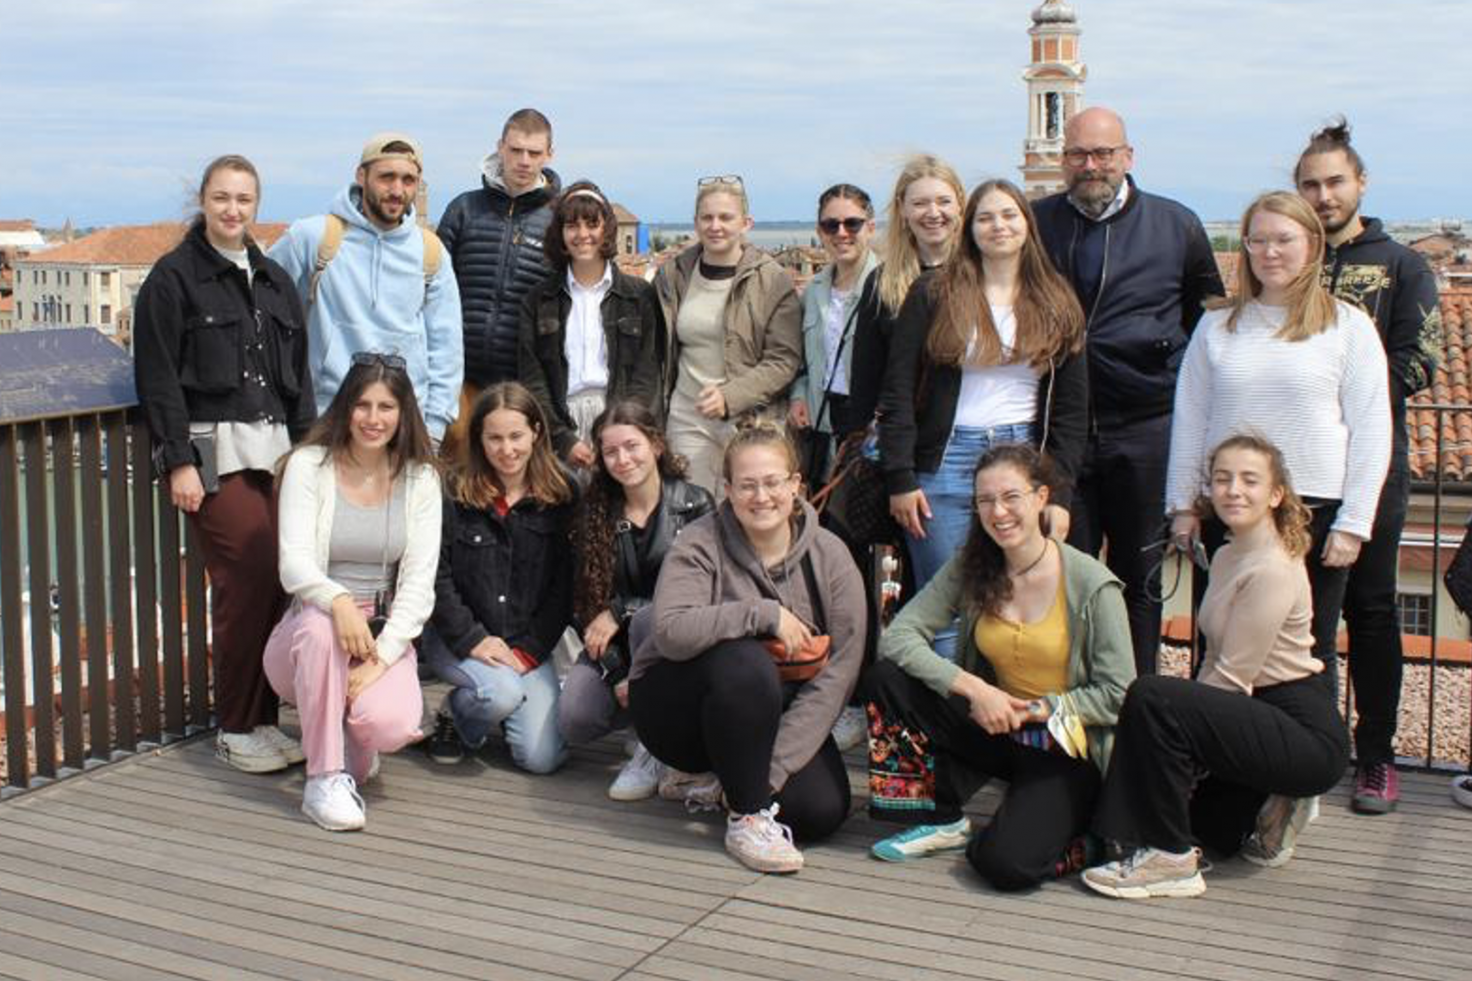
<point>507,577</point>
<point>495,244</point>
<point>635,573</point>
<point>210,347</point>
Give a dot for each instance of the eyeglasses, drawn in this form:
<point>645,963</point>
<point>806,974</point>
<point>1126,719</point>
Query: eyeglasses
<point>749,490</point>
<point>393,361</point>
<point>720,179</point>
<point>853,226</point>
<point>1076,155</point>
<point>1011,500</point>
<point>1258,244</point>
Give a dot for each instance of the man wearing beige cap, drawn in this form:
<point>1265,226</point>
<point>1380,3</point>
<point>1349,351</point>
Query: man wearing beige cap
<point>373,280</point>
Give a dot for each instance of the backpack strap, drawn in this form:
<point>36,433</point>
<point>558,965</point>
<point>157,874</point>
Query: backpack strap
<point>332,233</point>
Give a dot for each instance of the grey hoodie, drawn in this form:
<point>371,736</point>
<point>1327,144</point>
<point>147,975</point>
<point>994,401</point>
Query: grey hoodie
<point>712,588</point>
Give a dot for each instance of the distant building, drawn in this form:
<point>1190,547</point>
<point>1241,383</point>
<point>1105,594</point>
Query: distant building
<point>1055,94</point>
<point>628,230</point>
<point>17,238</point>
<point>93,282</point>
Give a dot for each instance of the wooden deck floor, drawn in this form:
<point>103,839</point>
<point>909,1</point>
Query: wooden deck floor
<point>170,865</point>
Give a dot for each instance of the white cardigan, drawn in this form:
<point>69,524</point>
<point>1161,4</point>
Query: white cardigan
<point>308,497</point>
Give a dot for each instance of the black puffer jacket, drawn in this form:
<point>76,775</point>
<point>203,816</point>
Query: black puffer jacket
<point>209,348</point>
<point>495,244</point>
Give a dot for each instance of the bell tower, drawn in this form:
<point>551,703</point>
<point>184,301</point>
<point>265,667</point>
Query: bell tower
<point>1055,93</point>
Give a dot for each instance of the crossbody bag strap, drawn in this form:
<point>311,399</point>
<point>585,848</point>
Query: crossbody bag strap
<point>848,329</point>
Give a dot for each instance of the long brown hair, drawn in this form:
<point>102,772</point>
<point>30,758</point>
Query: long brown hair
<point>603,504</point>
<point>475,482</point>
<point>1312,309</point>
<point>333,431</point>
<point>1291,517</point>
<point>984,580</point>
<point>901,255</point>
<point>1050,322</point>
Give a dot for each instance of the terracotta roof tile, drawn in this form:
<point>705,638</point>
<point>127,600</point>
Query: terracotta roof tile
<point>17,225</point>
<point>1452,385</point>
<point>133,245</point>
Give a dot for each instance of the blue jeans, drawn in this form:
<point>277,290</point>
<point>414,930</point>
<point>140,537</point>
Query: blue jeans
<point>950,490</point>
<point>486,696</point>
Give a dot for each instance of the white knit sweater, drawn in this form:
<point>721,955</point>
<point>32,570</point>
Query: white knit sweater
<point>1323,401</point>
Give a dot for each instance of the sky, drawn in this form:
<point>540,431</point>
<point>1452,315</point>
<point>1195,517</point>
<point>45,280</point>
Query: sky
<point>111,108</point>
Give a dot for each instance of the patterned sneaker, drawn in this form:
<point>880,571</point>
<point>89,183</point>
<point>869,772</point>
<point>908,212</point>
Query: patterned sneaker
<point>249,752</point>
<point>444,745</point>
<point>762,843</point>
<point>639,777</point>
<point>332,801</point>
<point>1147,874</point>
<point>1376,789</point>
<point>1083,852</point>
<point>851,729</point>
<point>922,840</point>
<point>290,748</point>
<point>699,791</point>
<point>1278,825</point>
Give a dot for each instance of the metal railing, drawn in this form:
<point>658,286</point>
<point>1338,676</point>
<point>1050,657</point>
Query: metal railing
<point>92,569</point>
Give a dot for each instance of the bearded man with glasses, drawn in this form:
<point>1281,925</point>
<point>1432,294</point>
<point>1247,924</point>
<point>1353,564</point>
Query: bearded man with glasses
<point>1141,266</point>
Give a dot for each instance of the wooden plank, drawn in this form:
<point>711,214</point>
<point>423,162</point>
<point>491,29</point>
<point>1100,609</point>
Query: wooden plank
<point>69,580</point>
<point>38,542</point>
<point>120,578</point>
<point>145,581</point>
<point>54,962</point>
<point>94,590</point>
<point>12,651</point>
<point>171,602</point>
<point>196,631</point>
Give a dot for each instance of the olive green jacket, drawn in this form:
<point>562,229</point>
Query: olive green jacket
<point>1101,660</point>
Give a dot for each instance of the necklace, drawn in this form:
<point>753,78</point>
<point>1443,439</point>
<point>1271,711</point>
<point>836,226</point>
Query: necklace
<point>1031,565</point>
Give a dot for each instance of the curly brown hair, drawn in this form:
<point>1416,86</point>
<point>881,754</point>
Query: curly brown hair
<point>984,580</point>
<point>603,507</point>
<point>1292,517</point>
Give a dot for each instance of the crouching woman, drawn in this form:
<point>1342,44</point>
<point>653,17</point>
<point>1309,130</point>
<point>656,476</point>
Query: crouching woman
<point>748,594</point>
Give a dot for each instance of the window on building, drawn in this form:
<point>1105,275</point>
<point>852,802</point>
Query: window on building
<point>68,277</point>
<point>86,313</point>
<point>1415,614</point>
<point>104,279</point>
<point>35,313</point>
<point>68,313</point>
<point>43,277</point>
<point>105,312</point>
<point>85,276</point>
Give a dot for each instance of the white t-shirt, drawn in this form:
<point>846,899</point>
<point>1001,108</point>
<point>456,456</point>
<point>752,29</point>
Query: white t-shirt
<point>1001,394</point>
<point>835,318</point>
<point>584,342</point>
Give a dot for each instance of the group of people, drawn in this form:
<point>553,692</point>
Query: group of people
<point>400,445</point>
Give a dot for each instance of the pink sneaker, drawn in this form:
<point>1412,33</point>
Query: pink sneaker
<point>1376,789</point>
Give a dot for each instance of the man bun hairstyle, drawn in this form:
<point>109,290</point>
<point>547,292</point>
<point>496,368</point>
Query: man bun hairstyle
<point>1332,137</point>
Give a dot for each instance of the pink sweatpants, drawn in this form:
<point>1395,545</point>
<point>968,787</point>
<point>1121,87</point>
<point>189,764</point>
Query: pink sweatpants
<point>307,667</point>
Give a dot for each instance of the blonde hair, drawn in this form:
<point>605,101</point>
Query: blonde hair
<point>901,255</point>
<point>755,429</point>
<point>732,187</point>
<point>1311,308</point>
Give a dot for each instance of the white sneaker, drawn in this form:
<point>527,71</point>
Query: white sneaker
<point>249,752</point>
<point>639,777</point>
<point>1278,825</point>
<point>290,748</point>
<point>851,729</point>
<point>699,791</point>
<point>332,801</point>
<point>374,765</point>
<point>762,843</point>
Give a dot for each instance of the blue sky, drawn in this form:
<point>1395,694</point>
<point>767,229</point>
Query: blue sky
<point>111,107</point>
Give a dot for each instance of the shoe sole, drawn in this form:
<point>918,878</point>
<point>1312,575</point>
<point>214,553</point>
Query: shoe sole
<point>1174,889</point>
<point>1371,805</point>
<point>899,856</point>
<point>628,796</point>
<point>357,825</point>
<point>1264,862</point>
<point>252,764</point>
<point>768,868</point>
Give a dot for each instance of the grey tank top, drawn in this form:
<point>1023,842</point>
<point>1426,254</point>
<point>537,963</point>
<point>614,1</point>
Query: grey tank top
<point>357,558</point>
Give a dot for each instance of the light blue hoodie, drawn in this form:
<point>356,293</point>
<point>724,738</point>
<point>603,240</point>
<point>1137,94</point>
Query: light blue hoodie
<point>372,297</point>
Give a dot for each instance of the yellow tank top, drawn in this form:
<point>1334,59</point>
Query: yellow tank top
<point>1030,659</point>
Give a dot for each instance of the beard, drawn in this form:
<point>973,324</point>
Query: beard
<point>1093,194</point>
<point>373,205</point>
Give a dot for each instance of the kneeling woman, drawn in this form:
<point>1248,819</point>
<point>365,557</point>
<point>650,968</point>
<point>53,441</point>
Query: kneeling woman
<point>754,582</point>
<point>1045,661</point>
<point>503,594</point>
<point>637,502</point>
<point>1257,720</point>
<point>359,537</point>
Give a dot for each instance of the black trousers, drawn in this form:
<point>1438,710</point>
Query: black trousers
<point>1326,586</point>
<point>720,712</point>
<point>1284,739</point>
<point>1120,500</point>
<point>1049,799</point>
<point>1373,619</point>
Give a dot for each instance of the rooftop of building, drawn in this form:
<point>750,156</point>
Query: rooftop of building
<point>134,245</point>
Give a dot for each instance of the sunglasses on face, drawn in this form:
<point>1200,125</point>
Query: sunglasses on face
<point>393,361</point>
<point>853,226</point>
<point>720,179</point>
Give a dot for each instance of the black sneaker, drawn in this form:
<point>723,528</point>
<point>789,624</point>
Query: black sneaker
<point>443,745</point>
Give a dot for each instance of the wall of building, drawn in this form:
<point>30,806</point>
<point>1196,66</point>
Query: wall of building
<point>73,294</point>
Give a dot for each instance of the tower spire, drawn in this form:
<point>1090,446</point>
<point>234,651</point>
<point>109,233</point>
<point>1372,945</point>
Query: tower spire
<point>1055,94</point>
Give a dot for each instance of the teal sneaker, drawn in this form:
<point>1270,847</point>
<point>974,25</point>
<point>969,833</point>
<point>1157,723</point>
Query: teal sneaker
<point>922,840</point>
